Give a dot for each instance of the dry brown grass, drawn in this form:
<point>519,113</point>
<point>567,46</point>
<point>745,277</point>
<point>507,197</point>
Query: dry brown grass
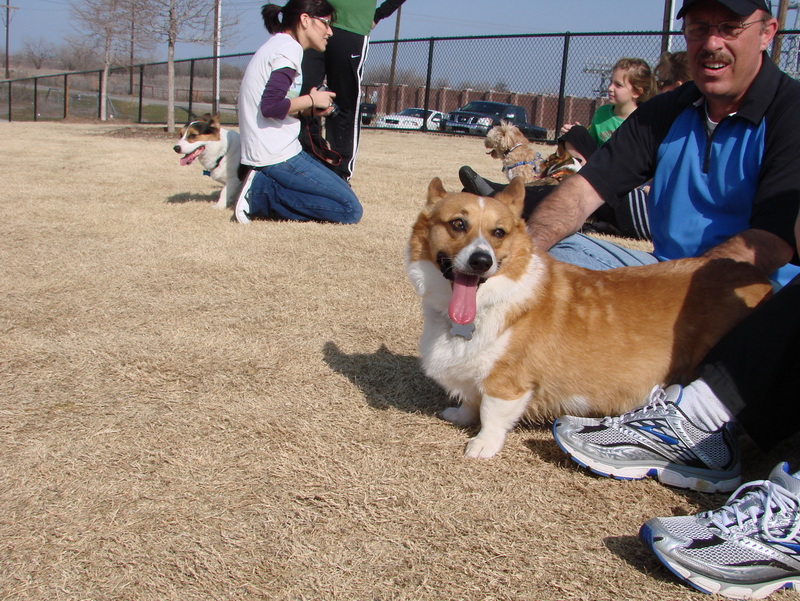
<point>192,409</point>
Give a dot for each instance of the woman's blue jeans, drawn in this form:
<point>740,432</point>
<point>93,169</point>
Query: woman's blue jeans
<point>302,189</point>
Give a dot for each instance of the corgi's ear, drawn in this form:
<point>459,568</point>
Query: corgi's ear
<point>513,196</point>
<point>436,192</point>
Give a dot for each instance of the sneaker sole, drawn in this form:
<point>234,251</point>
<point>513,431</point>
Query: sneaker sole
<point>242,207</point>
<point>707,585</point>
<point>669,474</point>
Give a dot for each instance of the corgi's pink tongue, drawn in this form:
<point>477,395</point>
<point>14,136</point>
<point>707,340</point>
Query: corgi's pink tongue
<point>462,303</point>
<point>189,158</point>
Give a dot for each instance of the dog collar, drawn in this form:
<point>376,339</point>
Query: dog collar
<point>208,171</point>
<point>512,149</point>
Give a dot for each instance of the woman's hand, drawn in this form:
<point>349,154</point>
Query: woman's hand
<point>567,126</point>
<point>322,101</point>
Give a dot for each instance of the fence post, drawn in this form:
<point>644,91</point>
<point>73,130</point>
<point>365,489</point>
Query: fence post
<point>562,86</point>
<point>191,90</point>
<point>428,77</point>
<point>66,96</point>
<point>36,99</point>
<point>141,91</point>
<point>9,101</point>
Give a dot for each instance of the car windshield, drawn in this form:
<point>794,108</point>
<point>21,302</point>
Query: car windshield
<point>414,113</point>
<point>488,108</point>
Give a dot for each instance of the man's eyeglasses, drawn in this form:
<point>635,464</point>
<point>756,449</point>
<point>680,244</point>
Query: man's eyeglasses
<point>326,22</point>
<point>727,30</point>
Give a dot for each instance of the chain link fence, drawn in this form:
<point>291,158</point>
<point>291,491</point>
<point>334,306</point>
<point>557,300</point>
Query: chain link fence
<point>557,78</point>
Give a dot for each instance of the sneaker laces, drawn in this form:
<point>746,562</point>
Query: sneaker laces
<point>758,506</point>
<point>657,398</point>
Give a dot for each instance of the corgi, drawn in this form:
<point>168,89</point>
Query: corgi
<point>513,334</point>
<point>218,150</point>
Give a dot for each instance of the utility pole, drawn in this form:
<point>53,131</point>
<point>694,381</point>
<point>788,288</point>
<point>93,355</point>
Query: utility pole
<point>8,8</point>
<point>778,42</point>
<point>666,38</point>
<point>390,99</point>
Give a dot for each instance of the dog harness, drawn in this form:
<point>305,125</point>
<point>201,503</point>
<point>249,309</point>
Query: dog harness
<point>534,163</point>
<point>520,164</point>
<point>562,172</point>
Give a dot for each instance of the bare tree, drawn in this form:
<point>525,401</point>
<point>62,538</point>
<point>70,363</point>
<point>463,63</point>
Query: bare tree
<point>38,51</point>
<point>138,37</point>
<point>178,21</point>
<point>104,22</point>
<point>77,55</point>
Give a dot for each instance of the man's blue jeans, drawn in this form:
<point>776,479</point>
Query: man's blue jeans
<point>302,189</point>
<point>593,253</point>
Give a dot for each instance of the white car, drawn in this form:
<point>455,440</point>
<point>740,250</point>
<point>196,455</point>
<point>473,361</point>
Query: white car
<point>410,119</point>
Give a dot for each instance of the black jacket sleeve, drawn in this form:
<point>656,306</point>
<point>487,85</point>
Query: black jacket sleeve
<point>386,9</point>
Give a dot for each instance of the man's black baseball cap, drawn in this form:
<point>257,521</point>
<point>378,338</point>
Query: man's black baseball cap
<point>740,7</point>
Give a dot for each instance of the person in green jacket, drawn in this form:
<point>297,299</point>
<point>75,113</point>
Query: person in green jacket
<point>342,66</point>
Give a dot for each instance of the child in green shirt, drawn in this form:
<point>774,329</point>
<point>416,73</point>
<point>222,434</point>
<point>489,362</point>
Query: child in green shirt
<point>631,84</point>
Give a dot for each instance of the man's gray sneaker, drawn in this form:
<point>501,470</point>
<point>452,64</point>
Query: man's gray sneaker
<point>656,440</point>
<point>746,549</point>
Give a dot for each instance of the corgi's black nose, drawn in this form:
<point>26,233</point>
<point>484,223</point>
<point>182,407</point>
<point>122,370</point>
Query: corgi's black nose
<point>176,148</point>
<point>480,261</point>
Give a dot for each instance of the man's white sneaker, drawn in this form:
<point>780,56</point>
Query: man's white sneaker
<point>657,440</point>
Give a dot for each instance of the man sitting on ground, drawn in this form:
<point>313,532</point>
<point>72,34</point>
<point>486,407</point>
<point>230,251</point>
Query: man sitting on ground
<point>721,151</point>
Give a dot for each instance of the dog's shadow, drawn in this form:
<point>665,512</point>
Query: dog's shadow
<point>388,379</point>
<point>185,197</point>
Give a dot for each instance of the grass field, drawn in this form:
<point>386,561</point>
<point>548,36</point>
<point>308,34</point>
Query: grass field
<point>192,409</point>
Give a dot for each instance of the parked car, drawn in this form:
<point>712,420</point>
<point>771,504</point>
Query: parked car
<point>479,116</point>
<point>411,118</point>
<point>367,112</point>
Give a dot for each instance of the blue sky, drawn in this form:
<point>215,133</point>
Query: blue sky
<point>49,19</point>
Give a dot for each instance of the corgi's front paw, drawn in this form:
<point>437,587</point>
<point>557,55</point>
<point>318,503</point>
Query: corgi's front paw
<point>460,416</point>
<point>483,447</point>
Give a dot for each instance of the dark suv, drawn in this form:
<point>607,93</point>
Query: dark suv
<point>479,116</point>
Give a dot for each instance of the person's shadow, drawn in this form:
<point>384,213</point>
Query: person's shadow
<point>388,379</point>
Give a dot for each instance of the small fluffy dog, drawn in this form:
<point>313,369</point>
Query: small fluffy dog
<point>218,150</point>
<point>507,143</point>
<point>512,333</point>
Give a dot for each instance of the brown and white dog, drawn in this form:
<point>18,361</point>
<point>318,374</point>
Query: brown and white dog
<point>507,143</point>
<point>218,150</point>
<point>513,334</point>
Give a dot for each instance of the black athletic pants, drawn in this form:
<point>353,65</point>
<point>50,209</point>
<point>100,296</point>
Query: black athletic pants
<point>342,65</point>
<point>755,369</point>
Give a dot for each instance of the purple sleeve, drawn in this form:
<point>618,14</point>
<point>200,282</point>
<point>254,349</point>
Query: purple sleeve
<point>274,103</point>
